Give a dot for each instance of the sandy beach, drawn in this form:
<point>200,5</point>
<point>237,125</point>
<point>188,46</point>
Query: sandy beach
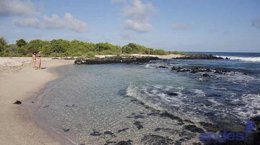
<point>19,81</point>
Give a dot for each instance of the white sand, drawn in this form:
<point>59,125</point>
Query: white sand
<point>15,128</point>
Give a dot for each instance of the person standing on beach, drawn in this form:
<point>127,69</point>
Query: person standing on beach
<point>38,61</point>
<point>34,59</point>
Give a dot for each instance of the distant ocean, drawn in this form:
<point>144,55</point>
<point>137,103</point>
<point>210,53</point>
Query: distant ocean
<point>141,103</point>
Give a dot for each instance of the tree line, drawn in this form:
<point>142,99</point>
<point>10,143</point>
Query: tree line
<point>64,48</point>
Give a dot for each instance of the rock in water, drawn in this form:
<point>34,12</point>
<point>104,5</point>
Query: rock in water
<point>138,124</point>
<point>156,140</point>
<point>206,75</point>
<point>17,102</point>
<point>66,129</point>
<point>95,133</point>
<point>129,142</point>
<point>193,128</point>
<point>122,130</point>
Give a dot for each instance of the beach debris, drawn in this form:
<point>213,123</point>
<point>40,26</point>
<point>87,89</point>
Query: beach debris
<point>122,130</point>
<point>66,129</point>
<point>46,106</point>
<point>95,133</point>
<point>156,140</point>
<point>17,102</point>
<point>138,124</point>
<point>193,128</point>
<point>129,142</point>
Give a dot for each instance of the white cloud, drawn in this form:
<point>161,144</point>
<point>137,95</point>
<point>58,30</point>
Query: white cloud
<point>54,22</point>
<point>16,8</point>
<point>137,15</point>
<point>256,23</point>
<point>181,26</point>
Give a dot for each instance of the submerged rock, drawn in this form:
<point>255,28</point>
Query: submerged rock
<point>138,124</point>
<point>129,142</point>
<point>109,133</point>
<point>168,115</point>
<point>66,129</point>
<point>193,128</point>
<point>17,102</point>
<point>209,127</point>
<point>95,133</point>
<point>206,75</point>
<point>156,140</point>
<point>171,93</point>
<point>122,130</point>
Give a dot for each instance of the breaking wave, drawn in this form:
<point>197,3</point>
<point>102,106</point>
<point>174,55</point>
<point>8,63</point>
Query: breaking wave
<point>249,59</point>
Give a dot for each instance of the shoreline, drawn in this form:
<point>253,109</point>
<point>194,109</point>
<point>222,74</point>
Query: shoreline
<point>21,83</point>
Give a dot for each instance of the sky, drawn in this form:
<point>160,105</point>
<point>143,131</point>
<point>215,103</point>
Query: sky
<point>181,25</point>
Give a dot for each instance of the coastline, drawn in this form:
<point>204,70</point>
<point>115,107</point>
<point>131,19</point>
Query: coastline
<point>20,82</point>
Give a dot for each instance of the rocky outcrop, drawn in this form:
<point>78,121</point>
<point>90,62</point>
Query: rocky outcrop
<point>198,69</point>
<point>199,56</point>
<point>117,59</point>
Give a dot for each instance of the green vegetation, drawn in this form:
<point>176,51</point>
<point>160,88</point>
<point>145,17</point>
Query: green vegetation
<point>64,48</point>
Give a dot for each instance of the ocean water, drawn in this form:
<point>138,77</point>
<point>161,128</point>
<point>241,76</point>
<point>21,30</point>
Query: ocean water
<point>144,103</point>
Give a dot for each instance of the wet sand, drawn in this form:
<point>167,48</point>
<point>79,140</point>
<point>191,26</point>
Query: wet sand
<point>19,81</point>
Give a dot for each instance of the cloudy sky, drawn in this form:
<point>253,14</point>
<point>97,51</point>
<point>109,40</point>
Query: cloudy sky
<point>189,25</point>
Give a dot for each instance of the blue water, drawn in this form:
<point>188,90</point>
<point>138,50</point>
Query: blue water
<point>112,97</point>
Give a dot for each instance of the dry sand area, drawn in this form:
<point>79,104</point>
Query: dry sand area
<point>18,81</point>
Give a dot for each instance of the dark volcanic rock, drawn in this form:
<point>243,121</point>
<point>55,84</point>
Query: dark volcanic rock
<point>109,133</point>
<point>95,133</point>
<point>110,142</point>
<point>129,142</point>
<point>138,124</point>
<point>199,56</point>
<point>209,127</point>
<point>122,130</point>
<point>116,59</point>
<point>17,102</point>
<point>156,140</point>
<point>206,75</point>
<point>162,66</point>
<point>168,115</point>
<point>193,128</point>
<point>138,116</point>
<point>66,129</point>
<point>171,93</point>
